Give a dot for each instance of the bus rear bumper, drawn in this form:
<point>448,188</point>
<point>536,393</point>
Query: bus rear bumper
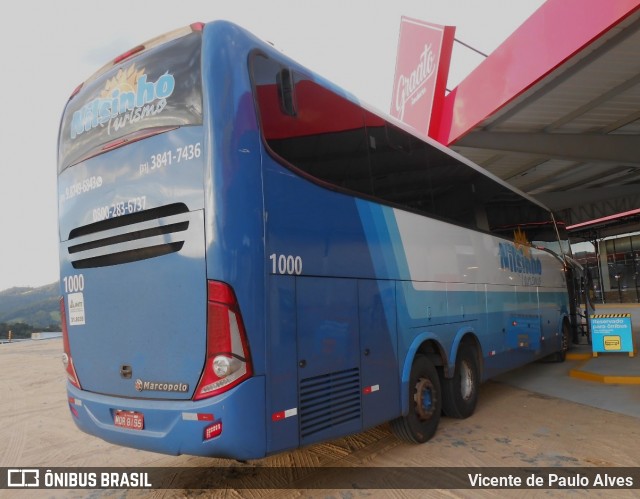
<point>230,425</point>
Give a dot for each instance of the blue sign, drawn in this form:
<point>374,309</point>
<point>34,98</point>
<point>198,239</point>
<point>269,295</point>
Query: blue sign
<point>611,333</point>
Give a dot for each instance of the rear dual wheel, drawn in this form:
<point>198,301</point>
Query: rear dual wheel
<point>425,403</point>
<point>461,391</point>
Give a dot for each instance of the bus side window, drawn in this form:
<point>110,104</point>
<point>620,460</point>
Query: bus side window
<point>311,127</point>
<point>453,188</point>
<point>398,166</point>
<point>514,217</point>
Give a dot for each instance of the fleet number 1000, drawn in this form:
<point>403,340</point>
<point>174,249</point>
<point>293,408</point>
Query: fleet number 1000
<point>73,283</point>
<point>286,264</point>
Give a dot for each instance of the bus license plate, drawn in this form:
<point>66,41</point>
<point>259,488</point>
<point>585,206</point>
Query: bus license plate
<point>129,419</point>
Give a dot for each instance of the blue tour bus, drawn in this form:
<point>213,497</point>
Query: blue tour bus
<point>251,260</point>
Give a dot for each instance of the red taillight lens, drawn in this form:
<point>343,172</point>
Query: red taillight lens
<point>77,89</point>
<point>128,53</point>
<point>228,361</point>
<point>66,356</point>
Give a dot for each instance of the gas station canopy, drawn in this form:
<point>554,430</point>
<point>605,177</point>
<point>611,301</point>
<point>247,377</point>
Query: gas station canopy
<point>555,111</point>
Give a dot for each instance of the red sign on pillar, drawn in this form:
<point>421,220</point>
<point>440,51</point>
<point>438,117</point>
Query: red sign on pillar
<point>422,67</point>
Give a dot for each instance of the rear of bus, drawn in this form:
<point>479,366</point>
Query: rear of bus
<point>155,307</point>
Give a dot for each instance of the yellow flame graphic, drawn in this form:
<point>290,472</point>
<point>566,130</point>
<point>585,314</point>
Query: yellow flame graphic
<point>126,80</point>
<point>521,241</point>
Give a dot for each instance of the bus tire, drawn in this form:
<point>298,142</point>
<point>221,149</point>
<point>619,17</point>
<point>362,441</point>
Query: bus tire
<point>460,393</point>
<point>565,341</point>
<point>425,404</point>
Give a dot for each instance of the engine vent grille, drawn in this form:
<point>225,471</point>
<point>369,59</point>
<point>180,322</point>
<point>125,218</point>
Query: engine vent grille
<point>329,400</point>
<point>130,219</point>
<point>127,256</point>
<point>129,238</point>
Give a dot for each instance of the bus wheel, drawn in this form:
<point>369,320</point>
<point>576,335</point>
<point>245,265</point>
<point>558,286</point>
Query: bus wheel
<point>561,356</point>
<point>461,392</point>
<point>425,404</point>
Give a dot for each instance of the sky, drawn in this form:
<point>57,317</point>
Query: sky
<point>49,48</point>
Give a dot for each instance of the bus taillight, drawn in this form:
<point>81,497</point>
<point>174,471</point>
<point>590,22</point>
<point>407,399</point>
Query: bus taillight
<point>67,361</point>
<point>128,53</point>
<point>77,89</point>
<point>228,362</point>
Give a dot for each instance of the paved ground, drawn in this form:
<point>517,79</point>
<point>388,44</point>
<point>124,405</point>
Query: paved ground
<point>555,380</point>
<point>536,417</point>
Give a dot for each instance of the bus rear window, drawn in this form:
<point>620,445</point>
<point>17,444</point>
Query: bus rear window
<point>159,89</point>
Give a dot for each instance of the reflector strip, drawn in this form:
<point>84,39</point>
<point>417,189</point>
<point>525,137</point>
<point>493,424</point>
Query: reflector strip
<point>75,401</point>
<point>369,389</point>
<point>492,353</point>
<point>194,416</point>
<point>277,416</point>
<point>213,431</point>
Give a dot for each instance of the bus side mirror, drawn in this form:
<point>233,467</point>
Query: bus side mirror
<point>284,81</point>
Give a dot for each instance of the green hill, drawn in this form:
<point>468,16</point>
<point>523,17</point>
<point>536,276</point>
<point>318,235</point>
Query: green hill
<point>38,307</point>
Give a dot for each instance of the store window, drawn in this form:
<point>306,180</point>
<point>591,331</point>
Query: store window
<point>614,265</point>
<point>623,266</point>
